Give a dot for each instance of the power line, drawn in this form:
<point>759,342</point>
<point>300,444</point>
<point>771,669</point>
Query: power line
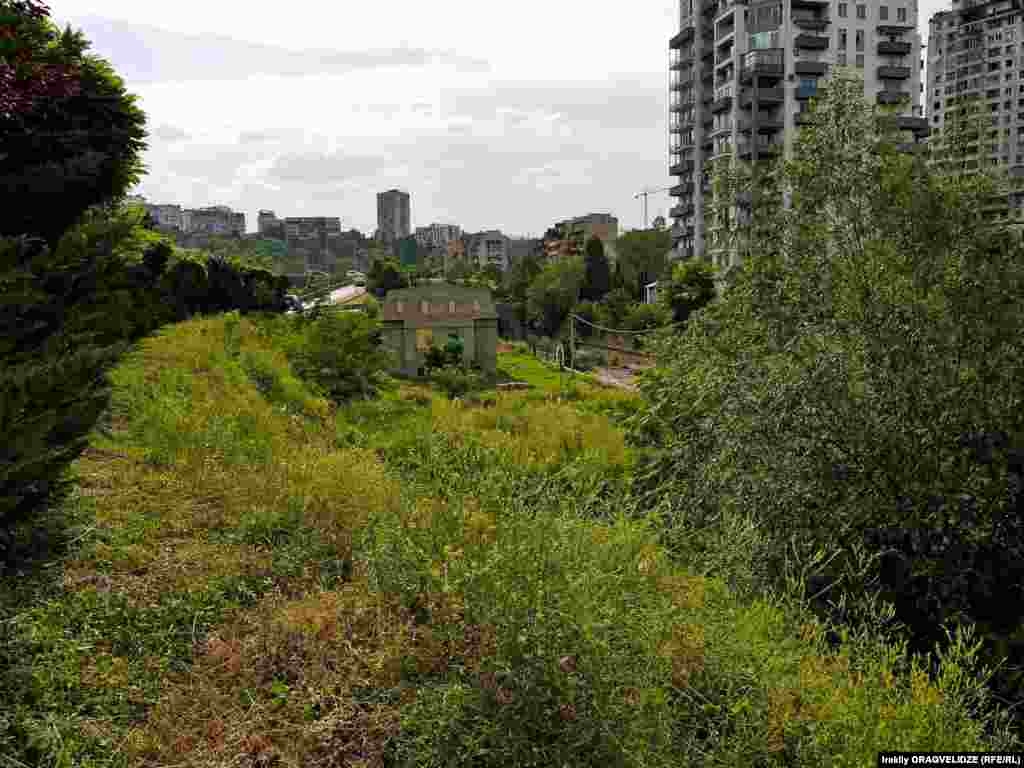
<point>621,332</point>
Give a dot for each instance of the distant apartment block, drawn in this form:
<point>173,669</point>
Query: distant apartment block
<point>393,216</point>
<point>268,225</point>
<point>574,233</point>
<point>976,52</point>
<point>742,74</point>
<point>436,235</point>
<point>216,220</point>
<point>489,248</point>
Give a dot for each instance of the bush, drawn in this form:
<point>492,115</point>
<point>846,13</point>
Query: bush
<point>855,396</point>
<point>456,381</point>
<point>587,359</point>
<point>340,352</point>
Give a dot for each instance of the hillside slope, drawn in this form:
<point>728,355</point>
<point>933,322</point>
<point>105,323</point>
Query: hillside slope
<point>255,576</point>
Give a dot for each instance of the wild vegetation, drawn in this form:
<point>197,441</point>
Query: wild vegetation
<point>266,551</point>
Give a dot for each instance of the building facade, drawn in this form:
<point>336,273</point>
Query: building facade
<point>572,235</point>
<point>394,219</point>
<point>488,248</point>
<point>415,319</point>
<point>976,53</point>
<point>741,75</point>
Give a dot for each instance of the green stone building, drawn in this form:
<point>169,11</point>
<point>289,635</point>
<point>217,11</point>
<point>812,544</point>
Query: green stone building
<point>414,319</point>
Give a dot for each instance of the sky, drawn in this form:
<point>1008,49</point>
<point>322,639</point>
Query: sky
<point>507,116</point>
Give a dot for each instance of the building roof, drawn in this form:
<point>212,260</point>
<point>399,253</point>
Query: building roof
<point>439,296</point>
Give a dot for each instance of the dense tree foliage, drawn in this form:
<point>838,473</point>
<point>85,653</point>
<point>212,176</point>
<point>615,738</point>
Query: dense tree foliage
<point>385,275</point>
<point>642,256</point>
<point>689,286</point>
<point>597,277</point>
<point>554,292</point>
<point>69,151</point>
<point>854,398</point>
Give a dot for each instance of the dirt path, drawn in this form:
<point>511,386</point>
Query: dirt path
<point>617,377</point>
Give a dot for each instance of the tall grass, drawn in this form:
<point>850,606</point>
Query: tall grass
<point>267,578</point>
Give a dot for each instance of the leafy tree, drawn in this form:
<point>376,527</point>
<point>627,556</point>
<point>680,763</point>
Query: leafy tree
<point>554,292</point>
<point>341,353</point>
<point>853,399</point>
<point>597,279</point>
<point>30,72</point>
<point>67,152</point>
<point>385,275</point>
<point>690,287</point>
<point>642,256</point>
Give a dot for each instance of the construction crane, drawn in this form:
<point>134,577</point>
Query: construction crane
<point>644,195</point>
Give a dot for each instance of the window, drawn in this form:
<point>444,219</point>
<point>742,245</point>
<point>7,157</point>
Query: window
<point>862,11</point>
<point>860,60</point>
<point>901,14</point>
<point>398,307</point>
<point>424,339</point>
<point>842,10</point>
<point>842,39</point>
<point>424,308</point>
<point>451,307</point>
<point>841,59</point>
<point>859,39</point>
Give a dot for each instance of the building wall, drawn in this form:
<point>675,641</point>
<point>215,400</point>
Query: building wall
<point>717,41</point>
<point>394,220</point>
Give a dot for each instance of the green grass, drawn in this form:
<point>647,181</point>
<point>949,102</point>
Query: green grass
<point>253,575</point>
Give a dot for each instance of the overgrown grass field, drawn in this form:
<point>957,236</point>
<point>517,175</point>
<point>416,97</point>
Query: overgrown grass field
<point>254,575</point>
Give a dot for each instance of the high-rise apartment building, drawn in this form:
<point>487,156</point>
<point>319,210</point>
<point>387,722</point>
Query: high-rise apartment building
<point>741,75</point>
<point>976,52</point>
<point>393,216</point>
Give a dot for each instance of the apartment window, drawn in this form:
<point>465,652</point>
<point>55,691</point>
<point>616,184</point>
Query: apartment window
<point>937,106</point>
<point>859,39</point>
<point>901,14</point>
<point>860,60</point>
<point>842,10</point>
<point>842,39</point>
<point>841,59</point>
<point>883,13</point>
<point>862,11</point>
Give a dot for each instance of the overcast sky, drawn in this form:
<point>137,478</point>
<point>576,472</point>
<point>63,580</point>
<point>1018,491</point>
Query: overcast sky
<point>508,116</point>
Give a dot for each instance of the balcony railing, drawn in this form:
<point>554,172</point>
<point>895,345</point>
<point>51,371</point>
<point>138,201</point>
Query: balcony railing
<point>812,21</point>
<point>893,73</point>
<point>764,96</point>
<point>681,37</point>
<point>767,61</point>
<point>814,42</point>
<point>893,48</point>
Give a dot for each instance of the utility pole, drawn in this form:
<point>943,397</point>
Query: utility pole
<point>644,195</point>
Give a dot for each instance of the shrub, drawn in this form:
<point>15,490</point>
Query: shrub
<point>340,352</point>
<point>456,381</point>
<point>859,391</point>
<point>587,359</point>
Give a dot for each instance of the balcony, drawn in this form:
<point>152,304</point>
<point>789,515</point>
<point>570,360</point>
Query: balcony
<point>893,73</point>
<point>763,125</point>
<point>684,168</point>
<point>816,68</point>
<point>681,211</point>
<point>893,48</point>
<point>680,83</point>
<point>816,5</point>
<point>892,97</point>
<point>766,62</point>
<point>721,104</point>
<point>764,149</point>
<point>811,42</point>
<point>918,125</point>
<point>894,29</point>
<point>764,96</point>
<point>682,190</point>
<point>682,37</point>
<point>810,21</point>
